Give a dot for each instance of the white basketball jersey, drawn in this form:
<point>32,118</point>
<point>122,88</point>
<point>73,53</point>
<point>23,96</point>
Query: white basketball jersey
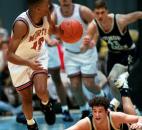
<point>34,43</point>
<point>76,15</point>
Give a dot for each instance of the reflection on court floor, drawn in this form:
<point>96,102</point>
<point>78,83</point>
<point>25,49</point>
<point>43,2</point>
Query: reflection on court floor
<point>9,123</point>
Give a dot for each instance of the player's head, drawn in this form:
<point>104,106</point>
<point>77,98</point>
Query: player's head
<point>101,10</point>
<point>65,3</point>
<point>40,7</point>
<point>99,102</point>
<point>99,108</point>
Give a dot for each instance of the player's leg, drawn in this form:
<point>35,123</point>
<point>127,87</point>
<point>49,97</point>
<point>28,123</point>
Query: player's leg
<point>72,68</point>
<point>27,107</point>
<point>22,82</point>
<point>80,98</point>
<point>54,69</point>
<point>122,84</point>
<point>56,77</point>
<point>40,83</point>
<point>89,72</point>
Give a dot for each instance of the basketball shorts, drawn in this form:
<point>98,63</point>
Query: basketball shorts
<point>22,75</point>
<point>84,63</point>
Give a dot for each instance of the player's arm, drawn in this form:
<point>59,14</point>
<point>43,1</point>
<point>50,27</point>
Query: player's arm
<point>134,120</point>
<point>86,14</point>
<point>17,37</point>
<point>122,118</point>
<point>92,32</point>
<point>91,37</point>
<point>125,19</point>
<point>20,29</point>
<point>53,28</point>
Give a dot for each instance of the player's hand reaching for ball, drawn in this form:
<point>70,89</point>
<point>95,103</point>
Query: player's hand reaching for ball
<point>54,42</point>
<point>86,40</point>
<point>87,44</point>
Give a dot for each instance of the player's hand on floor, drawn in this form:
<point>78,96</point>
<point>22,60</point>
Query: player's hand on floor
<point>137,125</point>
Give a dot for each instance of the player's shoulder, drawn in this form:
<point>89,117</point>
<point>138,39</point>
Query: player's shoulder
<point>111,15</point>
<point>22,15</point>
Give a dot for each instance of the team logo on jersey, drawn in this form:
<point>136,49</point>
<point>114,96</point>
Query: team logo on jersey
<point>37,34</point>
<point>38,38</point>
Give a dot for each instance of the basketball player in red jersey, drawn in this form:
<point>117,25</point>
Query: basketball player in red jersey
<point>27,56</point>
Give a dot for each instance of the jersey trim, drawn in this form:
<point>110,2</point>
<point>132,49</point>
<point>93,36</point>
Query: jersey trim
<point>90,125</point>
<point>24,86</point>
<point>112,124</point>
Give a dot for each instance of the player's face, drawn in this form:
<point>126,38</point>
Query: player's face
<point>65,2</point>
<point>100,14</point>
<point>43,8</point>
<point>99,114</point>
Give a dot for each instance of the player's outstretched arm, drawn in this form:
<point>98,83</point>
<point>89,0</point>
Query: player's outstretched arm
<point>122,118</point>
<point>126,19</point>
<point>91,37</point>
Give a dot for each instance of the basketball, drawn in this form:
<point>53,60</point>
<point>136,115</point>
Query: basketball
<point>72,30</point>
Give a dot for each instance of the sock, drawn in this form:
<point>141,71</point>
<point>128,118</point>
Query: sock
<point>65,108</point>
<point>45,103</point>
<point>30,122</point>
<point>114,104</point>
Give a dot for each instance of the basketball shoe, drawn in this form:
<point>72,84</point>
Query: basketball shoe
<point>32,127</point>
<point>49,113</point>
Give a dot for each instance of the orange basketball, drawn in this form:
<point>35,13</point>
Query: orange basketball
<point>72,30</point>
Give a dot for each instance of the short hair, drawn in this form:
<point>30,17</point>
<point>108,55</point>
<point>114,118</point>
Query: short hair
<point>99,101</point>
<point>100,4</point>
<point>33,2</point>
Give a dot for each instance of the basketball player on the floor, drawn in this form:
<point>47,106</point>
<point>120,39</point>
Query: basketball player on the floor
<point>103,119</point>
<point>27,56</point>
<point>80,67</point>
<point>54,69</point>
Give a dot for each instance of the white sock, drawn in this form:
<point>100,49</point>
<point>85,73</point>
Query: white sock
<point>44,103</point>
<point>115,103</point>
<point>65,108</point>
<point>30,122</point>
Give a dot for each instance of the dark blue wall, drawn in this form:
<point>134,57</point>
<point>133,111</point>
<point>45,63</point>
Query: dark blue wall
<point>9,9</point>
